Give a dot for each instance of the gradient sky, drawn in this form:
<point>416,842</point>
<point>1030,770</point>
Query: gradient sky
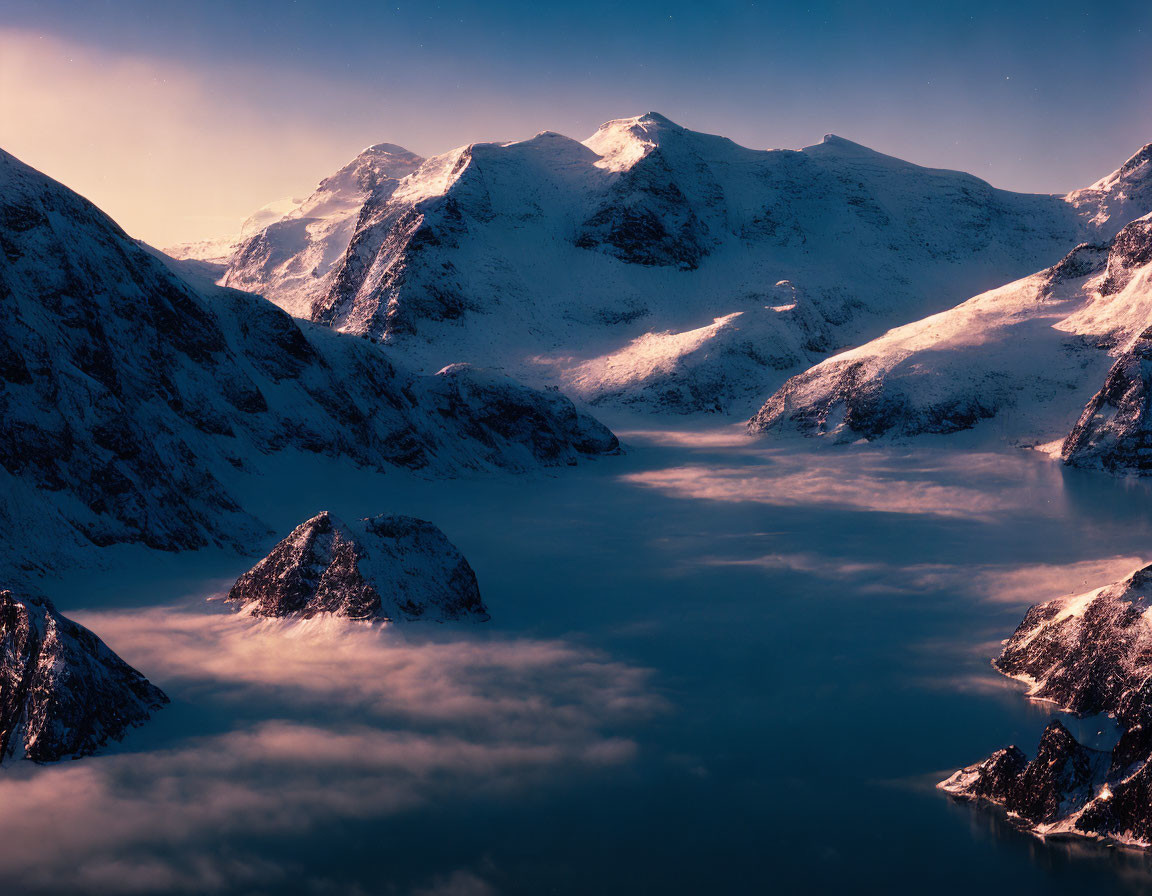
<point>179,119</point>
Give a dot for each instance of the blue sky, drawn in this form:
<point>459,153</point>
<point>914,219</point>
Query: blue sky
<point>1042,96</point>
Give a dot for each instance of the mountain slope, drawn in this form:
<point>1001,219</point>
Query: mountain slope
<point>1114,431</point>
<point>63,693</point>
<point>129,397</point>
<point>1030,353</point>
<point>1122,196</point>
<point>556,259</point>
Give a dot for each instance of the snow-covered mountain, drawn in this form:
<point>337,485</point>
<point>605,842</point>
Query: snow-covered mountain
<point>1087,654</point>
<point>1030,353</point>
<point>292,256</point>
<point>63,693</point>
<point>646,265</point>
<point>394,568</point>
<point>217,253</point>
<point>129,398</point>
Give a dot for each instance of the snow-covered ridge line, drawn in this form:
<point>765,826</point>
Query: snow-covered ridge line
<point>299,247</point>
<point>1120,197</point>
<point>507,254</point>
<point>1030,354</point>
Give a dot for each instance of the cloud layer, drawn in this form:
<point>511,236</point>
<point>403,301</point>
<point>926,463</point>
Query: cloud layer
<point>379,725</point>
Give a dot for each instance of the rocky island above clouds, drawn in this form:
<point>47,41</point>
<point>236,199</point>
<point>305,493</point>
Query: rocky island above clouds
<point>386,568</point>
<point>1087,654</point>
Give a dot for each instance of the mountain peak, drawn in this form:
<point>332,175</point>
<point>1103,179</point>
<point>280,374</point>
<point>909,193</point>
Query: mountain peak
<point>622,142</point>
<point>648,118</point>
<point>658,119</point>
<point>347,188</point>
<point>390,149</point>
<point>834,144</point>
<point>1141,157</point>
<point>1137,167</point>
<point>1122,196</point>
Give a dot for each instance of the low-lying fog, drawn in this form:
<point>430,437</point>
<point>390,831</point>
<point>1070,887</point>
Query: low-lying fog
<point>712,666</point>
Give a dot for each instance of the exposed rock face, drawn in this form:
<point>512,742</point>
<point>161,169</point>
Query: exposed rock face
<point>394,568</point>
<point>1088,654</point>
<point>1130,253</point>
<point>1084,653</point>
<point>1114,432</point>
<point>63,693</point>
<point>646,219</point>
<point>1059,781</point>
<point>127,396</point>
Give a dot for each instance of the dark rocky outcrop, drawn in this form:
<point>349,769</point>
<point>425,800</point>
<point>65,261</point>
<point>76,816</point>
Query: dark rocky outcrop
<point>393,568</point>
<point>1114,433</point>
<point>1088,654</point>
<point>1059,781</point>
<point>63,693</point>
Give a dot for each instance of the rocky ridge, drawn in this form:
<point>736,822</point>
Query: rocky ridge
<point>63,693</point>
<point>1087,654</point>
<point>383,568</point>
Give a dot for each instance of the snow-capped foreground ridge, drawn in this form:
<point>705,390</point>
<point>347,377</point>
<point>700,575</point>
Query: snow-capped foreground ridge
<point>393,568</point>
<point>129,398</point>
<point>557,258</point>
<point>1088,654</point>
<point>1031,353</point>
<point>63,693</point>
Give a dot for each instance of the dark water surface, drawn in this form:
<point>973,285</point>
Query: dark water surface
<point>766,659</point>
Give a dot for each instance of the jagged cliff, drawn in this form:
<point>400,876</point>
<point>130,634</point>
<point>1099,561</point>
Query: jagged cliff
<point>1087,654</point>
<point>63,693</point>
